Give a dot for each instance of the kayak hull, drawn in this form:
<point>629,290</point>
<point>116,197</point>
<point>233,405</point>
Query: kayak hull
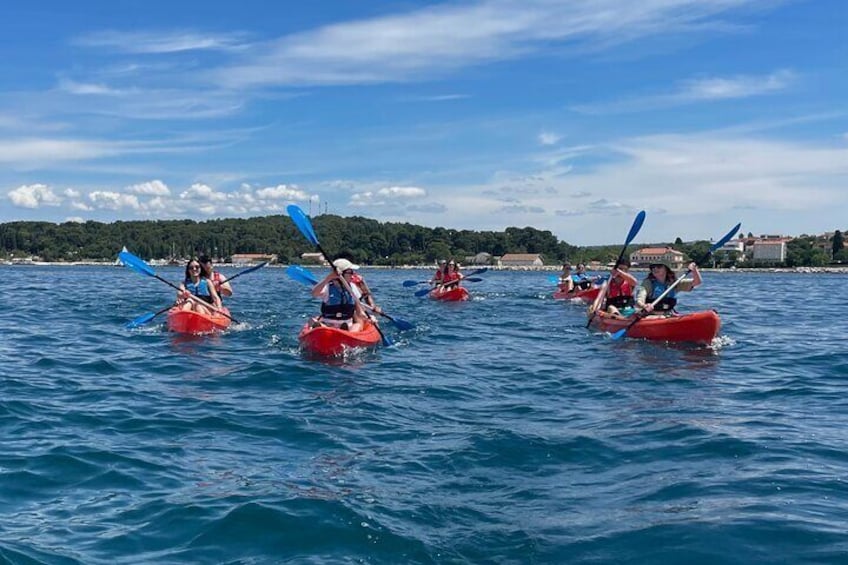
<point>328,341</point>
<point>586,296</point>
<point>191,322</point>
<point>456,294</point>
<point>697,327</point>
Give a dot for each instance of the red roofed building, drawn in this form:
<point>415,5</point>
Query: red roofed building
<point>665,255</point>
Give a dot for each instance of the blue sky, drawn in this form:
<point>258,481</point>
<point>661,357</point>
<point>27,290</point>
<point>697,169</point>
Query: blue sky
<point>562,115</point>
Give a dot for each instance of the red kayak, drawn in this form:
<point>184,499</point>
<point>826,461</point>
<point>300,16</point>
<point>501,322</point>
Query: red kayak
<point>697,327</point>
<point>455,294</point>
<point>325,340</point>
<point>586,296</point>
<point>191,322</point>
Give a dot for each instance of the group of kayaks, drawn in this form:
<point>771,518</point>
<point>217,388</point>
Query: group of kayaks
<point>697,327</point>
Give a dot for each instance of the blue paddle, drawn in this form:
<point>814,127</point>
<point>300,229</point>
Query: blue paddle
<point>139,266</point>
<point>144,318</point>
<point>303,276</point>
<point>641,314</point>
<point>301,221</point>
<point>631,235</point>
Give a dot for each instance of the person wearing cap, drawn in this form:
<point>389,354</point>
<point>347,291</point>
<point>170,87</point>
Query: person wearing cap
<point>619,298</point>
<point>340,306</point>
<point>566,283</point>
<point>660,278</point>
<point>220,281</point>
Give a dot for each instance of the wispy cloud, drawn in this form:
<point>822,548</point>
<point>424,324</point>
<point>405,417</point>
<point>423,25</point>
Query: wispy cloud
<point>703,89</point>
<point>435,40</point>
<point>549,138</point>
<point>161,42</point>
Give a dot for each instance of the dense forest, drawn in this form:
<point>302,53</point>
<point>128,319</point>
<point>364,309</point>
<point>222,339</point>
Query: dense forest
<point>363,240</point>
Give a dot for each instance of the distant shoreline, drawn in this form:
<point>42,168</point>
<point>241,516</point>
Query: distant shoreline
<point>547,268</point>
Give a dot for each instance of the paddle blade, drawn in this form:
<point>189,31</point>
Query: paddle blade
<point>141,320</point>
<point>553,279</point>
<point>422,292</point>
<point>726,238</point>
<point>135,263</point>
<point>402,325</point>
<point>302,222</point>
<point>620,333</point>
<point>634,229</point>
<point>412,283</point>
<point>301,275</point>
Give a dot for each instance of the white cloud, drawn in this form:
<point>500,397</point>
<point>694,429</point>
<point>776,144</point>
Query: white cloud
<point>200,191</point>
<point>548,138</point>
<point>386,196</point>
<point>719,88</point>
<point>699,90</point>
<point>34,196</point>
<point>40,152</point>
<point>162,42</point>
<point>71,193</point>
<point>110,200</point>
<point>151,188</point>
<point>75,220</point>
<point>437,39</point>
<point>282,192</point>
<point>402,192</point>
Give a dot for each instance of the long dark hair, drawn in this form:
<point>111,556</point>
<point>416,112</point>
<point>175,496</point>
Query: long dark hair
<point>201,273</point>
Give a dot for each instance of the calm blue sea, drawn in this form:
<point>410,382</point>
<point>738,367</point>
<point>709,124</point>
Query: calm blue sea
<point>497,431</point>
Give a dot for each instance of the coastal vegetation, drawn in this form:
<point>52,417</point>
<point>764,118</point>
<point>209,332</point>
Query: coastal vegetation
<point>362,239</point>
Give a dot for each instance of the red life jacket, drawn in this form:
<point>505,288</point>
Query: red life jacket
<point>450,277</point>
<point>622,288</point>
<point>217,280</point>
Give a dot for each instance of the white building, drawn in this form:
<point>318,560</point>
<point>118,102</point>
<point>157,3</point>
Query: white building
<point>521,260</point>
<point>769,251</point>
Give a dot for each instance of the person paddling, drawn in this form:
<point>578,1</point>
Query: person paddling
<point>220,281</point>
<point>619,298</point>
<point>440,273</point>
<point>566,282</point>
<point>661,277</point>
<point>340,308</point>
<point>451,276</point>
<point>195,284</point>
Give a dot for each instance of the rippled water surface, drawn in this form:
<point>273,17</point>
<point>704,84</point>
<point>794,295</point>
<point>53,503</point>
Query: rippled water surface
<point>498,430</point>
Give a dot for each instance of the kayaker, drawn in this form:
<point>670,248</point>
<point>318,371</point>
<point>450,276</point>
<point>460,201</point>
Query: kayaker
<point>366,296</point>
<point>566,283</point>
<point>195,284</point>
<point>581,280</point>
<point>661,276</point>
<point>219,280</point>
<point>340,308</point>
<point>451,276</point>
<point>440,273</point>
<point>619,298</point>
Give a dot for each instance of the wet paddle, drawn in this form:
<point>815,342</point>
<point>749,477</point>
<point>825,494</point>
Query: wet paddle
<point>303,276</point>
<point>642,313</point>
<point>144,318</point>
<point>634,231</point>
<point>301,221</point>
<point>139,266</point>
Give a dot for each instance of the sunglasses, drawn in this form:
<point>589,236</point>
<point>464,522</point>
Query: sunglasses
<point>194,267</point>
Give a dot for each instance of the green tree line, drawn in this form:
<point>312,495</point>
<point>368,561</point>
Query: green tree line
<point>361,239</point>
